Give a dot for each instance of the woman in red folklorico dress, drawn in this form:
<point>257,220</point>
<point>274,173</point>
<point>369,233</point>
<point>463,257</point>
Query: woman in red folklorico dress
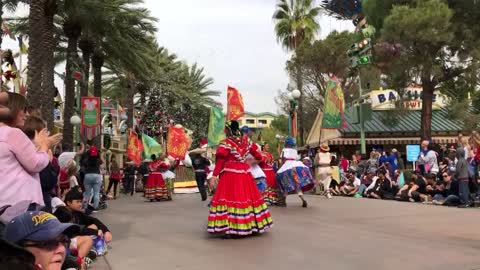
<point>237,207</point>
<point>155,188</point>
<point>270,195</point>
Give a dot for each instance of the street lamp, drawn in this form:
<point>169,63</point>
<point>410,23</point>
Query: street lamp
<point>293,98</point>
<point>76,121</point>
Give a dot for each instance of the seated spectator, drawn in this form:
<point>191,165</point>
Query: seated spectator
<point>366,181</point>
<point>351,186</point>
<point>449,194</point>
<point>382,187</point>
<point>43,235</point>
<point>415,190</point>
<point>91,226</point>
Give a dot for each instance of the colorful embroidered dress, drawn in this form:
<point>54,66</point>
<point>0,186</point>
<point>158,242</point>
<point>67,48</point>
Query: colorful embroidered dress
<point>293,175</point>
<point>155,188</point>
<point>237,206</point>
<point>270,195</point>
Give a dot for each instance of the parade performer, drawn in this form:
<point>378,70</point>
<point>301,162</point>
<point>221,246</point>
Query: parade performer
<point>200,164</point>
<point>237,207</point>
<point>155,188</point>
<point>324,174</point>
<point>168,177</point>
<point>293,176</point>
<point>185,182</point>
<point>270,195</point>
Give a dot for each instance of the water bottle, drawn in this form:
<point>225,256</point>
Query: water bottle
<point>100,246</point>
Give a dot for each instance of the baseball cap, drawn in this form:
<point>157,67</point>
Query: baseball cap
<point>93,151</point>
<point>38,226</point>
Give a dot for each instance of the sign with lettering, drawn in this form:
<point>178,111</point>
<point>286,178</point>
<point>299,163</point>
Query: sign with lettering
<point>413,151</point>
<point>411,100</point>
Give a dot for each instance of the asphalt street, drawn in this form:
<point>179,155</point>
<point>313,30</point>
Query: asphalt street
<point>339,234</point>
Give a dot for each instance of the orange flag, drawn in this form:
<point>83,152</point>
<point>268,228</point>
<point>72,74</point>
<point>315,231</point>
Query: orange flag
<point>235,108</point>
<point>134,148</point>
<point>177,142</point>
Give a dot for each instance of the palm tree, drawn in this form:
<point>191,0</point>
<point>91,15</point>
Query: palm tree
<point>48,70</point>
<point>296,22</point>
<point>11,6</point>
<point>36,26</point>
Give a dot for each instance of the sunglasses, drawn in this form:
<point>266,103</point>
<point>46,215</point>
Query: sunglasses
<point>50,245</point>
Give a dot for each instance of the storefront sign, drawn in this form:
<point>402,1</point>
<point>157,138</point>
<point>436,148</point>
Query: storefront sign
<point>412,99</point>
<point>413,151</point>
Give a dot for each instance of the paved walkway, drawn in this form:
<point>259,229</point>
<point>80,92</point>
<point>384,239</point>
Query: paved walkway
<point>337,234</point>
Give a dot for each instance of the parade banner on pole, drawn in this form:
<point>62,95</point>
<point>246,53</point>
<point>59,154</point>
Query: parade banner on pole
<point>90,116</point>
<point>178,142</point>
<point>235,108</point>
<point>216,126</point>
<point>334,112</point>
<point>134,148</point>
<point>150,146</point>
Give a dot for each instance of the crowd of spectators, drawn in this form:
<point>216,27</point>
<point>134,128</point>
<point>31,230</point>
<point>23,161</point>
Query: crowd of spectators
<point>445,177</point>
<point>46,197</point>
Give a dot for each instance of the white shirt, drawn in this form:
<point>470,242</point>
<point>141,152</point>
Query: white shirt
<point>290,153</point>
<point>357,182</point>
<point>73,181</point>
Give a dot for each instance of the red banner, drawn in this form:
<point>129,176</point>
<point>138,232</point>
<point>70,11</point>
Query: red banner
<point>134,148</point>
<point>235,108</point>
<point>90,117</point>
<point>177,142</point>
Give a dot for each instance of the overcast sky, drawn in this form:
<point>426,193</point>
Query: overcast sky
<point>234,41</point>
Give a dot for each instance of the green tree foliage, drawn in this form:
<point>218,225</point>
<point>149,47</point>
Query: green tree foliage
<point>296,23</point>
<point>437,40</point>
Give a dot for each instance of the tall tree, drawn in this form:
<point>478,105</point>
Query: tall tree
<point>295,23</point>
<point>36,56</point>
<point>427,35</point>
<point>48,70</point>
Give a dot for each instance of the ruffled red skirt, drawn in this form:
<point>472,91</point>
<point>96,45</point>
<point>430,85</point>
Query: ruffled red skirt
<point>270,195</point>
<point>155,187</point>
<point>237,207</point>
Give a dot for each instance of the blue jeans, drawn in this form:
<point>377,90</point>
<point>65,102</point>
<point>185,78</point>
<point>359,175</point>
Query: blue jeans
<point>450,200</point>
<point>92,181</point>
<point>464,191</point>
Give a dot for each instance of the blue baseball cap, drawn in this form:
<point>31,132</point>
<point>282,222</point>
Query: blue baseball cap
<point>245,129</point>
<point>38,226</point>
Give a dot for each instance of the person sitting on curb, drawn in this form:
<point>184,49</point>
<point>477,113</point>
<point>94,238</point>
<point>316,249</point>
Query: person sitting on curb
<point>43,235</point>
<point>91,226</point>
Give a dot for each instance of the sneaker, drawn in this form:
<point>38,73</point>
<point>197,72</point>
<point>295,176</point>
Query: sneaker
<point>437,202</point>
<point>357,195</point>
<point>304,204</point>
<point>92,254</point>
<point>87,262</point>
<point>411,200</point>
<point>329,195</point>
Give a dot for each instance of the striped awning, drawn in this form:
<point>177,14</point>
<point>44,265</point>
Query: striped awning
<point>392,141</point>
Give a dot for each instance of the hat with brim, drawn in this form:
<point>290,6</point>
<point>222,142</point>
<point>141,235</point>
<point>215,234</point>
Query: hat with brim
<point>324,147</point>
<point>38,226</point>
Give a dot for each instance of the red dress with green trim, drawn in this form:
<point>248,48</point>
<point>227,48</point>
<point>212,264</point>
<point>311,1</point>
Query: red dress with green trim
<point>237,206</point>
<point>155,188</point>
<point>270,195</point>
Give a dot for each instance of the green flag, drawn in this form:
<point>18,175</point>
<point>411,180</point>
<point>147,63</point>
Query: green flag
<point>216,126</point>
<point>150,146</point>
<point>333,113</point>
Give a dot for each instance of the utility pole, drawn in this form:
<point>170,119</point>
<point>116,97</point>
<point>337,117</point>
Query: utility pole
<point>361,54</point>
